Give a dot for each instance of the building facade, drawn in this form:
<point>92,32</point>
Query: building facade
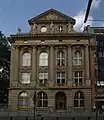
<point>51,67</point>
<point>98,32</point>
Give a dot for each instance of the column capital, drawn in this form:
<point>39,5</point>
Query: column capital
<point>16,46</point>
<point>34,46</point>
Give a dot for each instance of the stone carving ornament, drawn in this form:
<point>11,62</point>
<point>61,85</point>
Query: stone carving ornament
<point>51,17</point>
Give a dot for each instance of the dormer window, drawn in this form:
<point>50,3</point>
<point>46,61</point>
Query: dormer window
<point>60,29</point>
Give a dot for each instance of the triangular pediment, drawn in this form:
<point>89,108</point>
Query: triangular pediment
<point>52,15</point>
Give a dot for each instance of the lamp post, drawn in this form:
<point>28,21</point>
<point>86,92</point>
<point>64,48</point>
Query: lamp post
<point>34,101</point>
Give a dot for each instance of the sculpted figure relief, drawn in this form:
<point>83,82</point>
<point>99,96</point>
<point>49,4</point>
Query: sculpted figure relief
<point>35,27</point>
<point>51,27</point>
<point>70,27</point>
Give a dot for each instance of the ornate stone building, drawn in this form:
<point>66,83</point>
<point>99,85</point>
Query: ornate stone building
<point>52,63</point>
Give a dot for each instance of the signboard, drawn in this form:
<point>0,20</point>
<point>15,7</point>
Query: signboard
<point>100,56</point>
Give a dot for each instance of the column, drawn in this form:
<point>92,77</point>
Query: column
<point>17,63</point>
<point>12,63</point>
<point>34,66</point>
<point>87,62</point>
<point>70,79</point>
<point>51,66</point>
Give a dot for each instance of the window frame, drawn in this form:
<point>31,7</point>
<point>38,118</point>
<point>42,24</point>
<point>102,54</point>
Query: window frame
<point>60,28</point>
<point>43,78</point>
<point>42,100</point>
<point>79,99</point>
<point>26,58</point>
<point>61,77</point>
<point>25,76</point>
<point>78,78</point>
<point>77,58</point>
<point>23,101</point>
<point>43,60</point>
<point>60,58</point>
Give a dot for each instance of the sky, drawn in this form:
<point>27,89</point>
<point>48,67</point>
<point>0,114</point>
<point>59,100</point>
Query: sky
<point>16,13</point>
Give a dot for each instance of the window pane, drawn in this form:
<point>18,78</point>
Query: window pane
<point>42,99</point>
<point>76,80</point>
<point>58,80</point>
<point>75,103</point>
<point>45,103</point>
<point>76,74</point>
<point>77,58</point>
<point>26,60</point>
<point>25,78</point>
<point>63,81</point>
<point>43,59</point>
<point>60,58</point>
<point>60,77</point>
<point>80,80</point>
<point>39,102</point>
<point>81,103</point>
<point>43,77</point>
<point>80,74</point>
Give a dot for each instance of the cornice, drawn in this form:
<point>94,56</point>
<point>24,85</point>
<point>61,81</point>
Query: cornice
<point>47,36</point>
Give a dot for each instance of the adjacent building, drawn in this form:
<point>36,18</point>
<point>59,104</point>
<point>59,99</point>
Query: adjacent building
<point>98,33</point>
<point>51,67</point>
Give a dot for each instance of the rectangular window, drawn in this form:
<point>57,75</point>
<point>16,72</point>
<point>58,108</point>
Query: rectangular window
<point>43,78</point>
<point>60,78</point>
<point>25,78</point>
<point>78,79</point>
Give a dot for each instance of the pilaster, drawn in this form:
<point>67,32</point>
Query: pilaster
<point>34,66</point>
<point>87,62</point>
<point>69,65</point>
<point>12,72</point>
<point>51,66</point>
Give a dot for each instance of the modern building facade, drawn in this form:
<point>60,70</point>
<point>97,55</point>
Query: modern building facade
<point>98,32</point>
<point>51,67</point>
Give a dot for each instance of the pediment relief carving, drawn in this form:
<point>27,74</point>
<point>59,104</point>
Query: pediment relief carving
<point>52,15</point>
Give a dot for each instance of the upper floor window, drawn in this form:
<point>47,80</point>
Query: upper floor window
<point>25,78</point>
<point>26,59</point>
<point>43,59</point>
<point>43,77</point>
<point>79,99</point>
<point>60,78</point>
<point>42,99</point>
<point>60,58</point>
<point>77,58</point>
<point>78,79</point>
<point>60,29</point>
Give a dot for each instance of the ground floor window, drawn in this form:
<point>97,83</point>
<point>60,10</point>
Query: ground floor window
<point>23,100</point>
<point>60,101</point>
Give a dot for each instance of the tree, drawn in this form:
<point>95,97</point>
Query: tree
<point>5,51</point>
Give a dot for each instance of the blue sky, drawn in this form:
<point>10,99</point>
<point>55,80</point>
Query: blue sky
<point>16,13</point>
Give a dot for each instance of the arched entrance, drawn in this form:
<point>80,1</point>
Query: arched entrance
<point>60,101</point>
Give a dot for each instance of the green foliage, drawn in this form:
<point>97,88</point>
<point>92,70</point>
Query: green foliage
<point>5,47</point>
<point>5,51</point>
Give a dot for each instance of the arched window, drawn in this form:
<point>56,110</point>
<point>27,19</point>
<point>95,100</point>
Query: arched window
<point>26,59</point>
<point>60,58</point>
<point>79,99</point>
<point>77,58</point>
<point>60,100</point>
<point>43,59</point>
<point>23,100</point>
<point>42,99</point>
